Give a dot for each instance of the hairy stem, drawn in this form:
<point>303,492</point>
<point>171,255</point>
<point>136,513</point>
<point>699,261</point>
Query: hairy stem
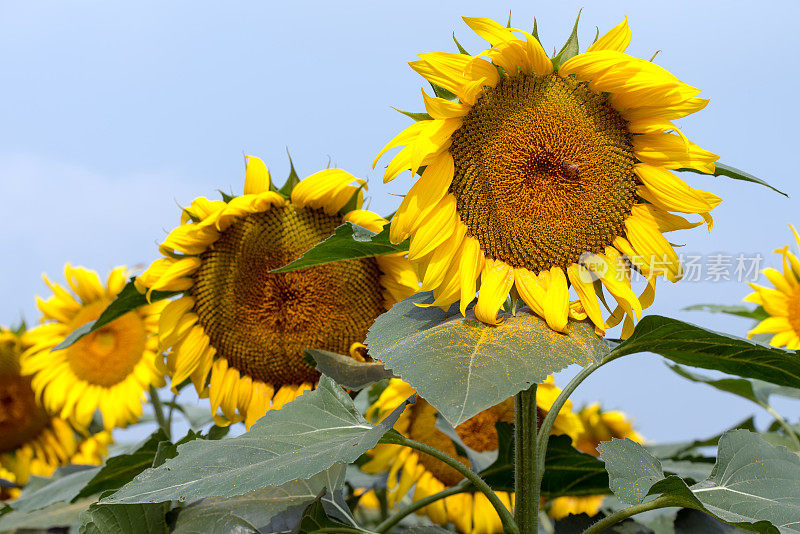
<point>786,426</point>
<point>417,505</point>
<point>509,525</point>
<point>621,515</point>
<point>159,411</point>
<point>526,479</point>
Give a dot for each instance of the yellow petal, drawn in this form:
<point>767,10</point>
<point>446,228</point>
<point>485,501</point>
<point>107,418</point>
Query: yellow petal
<point>256,177</point>
<point>328,190</point>
<point>617,39</point>
<point>435,229</point>
<point>472,260</point>
<point>496,281</point>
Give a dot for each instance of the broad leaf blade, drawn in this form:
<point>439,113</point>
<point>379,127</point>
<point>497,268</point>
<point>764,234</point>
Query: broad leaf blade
<point>461,366</point>
<point>125,519</point>
<point>59,488</point>
<point>280,507</point>
<point>732,172</point>
<point>126,301</point>
<point>58,515</point>
<point>632,471</point>
<point>347,371</point>
<point>695,346</point>
<point>758,313</point>
<point>348,242</point>
<point>305,437</point>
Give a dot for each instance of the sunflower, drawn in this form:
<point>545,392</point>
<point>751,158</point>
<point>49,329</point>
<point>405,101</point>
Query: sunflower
<point>469,512</point>
<point>31,441</point>
<point>109,369</point>
<point>537,177</point>
<point>598,426</point>
<point>247,327</point>
<point>782,303</point>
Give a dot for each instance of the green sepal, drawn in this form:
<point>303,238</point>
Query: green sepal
<point>291,181</point>
<point>353,203</point>
<point>460,48</point>
<point>720,169</point>
<point>441,92</point>
<point>225,198</point>
<point>535,31</point>
<point>570,48</point>
<point>416,116</point>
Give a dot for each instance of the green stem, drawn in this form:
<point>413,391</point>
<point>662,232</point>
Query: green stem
<point>172,410</point>
<point>625,513</point>
<point>417,505</point>
<point>159,411</point>
<point>506,518</point>
<point>786,426</point>
<point>526,479</point>
<point>550,418</point>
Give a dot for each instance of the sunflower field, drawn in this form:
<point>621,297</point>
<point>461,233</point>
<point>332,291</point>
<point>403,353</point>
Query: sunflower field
<point>356,373</point>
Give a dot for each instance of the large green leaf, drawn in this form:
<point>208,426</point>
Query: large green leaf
<point>126,301</point>
<point>63,486</point>
<point>348,242</point>
<point>276,507</point>
<point>758,313</point>
<point>58,515</point>
<point>125,519</point>
<point>732,172</point>
<point>682,450</point>
<point>347,371</point>
<point>695,346</point>
<point>315,518</point>
<point>462,366</point>
<point>756,391</point>
<point>305,437</point>
<point>753,484</point>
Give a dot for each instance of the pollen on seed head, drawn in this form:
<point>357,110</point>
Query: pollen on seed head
<point>543,171</point>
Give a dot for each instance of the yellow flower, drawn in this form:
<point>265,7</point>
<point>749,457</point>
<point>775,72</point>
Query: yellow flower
<point>31,441</point>
<point>782,302</point>
<point>469,512</point>
<point>246,327</point>
<point>540,179</point>
<point>598,426</point>
<point>109,369</point>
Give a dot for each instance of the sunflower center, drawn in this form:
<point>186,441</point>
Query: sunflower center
<point>261,322</point>
<point>477,433</point>
<point>21,419</point>
<point>794,311</point>
<point>543,171</point>
<point>109,355</point>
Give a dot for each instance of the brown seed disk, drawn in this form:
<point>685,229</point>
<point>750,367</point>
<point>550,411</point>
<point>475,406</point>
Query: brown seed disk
<point>261,322</point>
<point>543,171</point>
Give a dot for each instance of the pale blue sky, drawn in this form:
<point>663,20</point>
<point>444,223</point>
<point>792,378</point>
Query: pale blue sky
<point>113,115</point>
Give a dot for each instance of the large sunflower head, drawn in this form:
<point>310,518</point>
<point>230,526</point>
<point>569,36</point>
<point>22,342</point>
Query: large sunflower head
<point>540,178</point>
<point>247,327</point>
<point>108,370</point>
<point>469,512</point>
<point>32,442</point>
<point>598,426</point>
<point>781,302</point>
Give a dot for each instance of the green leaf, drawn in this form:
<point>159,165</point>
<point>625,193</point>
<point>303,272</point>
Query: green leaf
<point>756,391</point>
<point>305,437</point>
<point>758,314</point>
<point>753,484</point>
<point>126,301</point>
<point>462,366</point>
<point>58,515</point>
<point>348,372</point>
<point>278,507</point>
<point>291,181</point>
<point>63,486</point>
<point>568,471</point>
<point>416,116</point>
<point>688,449</point>
<point>125,518</point>
<point>732,172</point>
<point>688,521</point>
<point>348,242</point>
<point>315,518</point>
<point>461,49</point>
<point>695,346</point>
<point>570,48</point>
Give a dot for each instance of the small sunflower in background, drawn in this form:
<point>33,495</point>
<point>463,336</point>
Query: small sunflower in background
<point>32,442</point>
<point>598,426</point>
<point>538,175</point>
<point>470,512</point>
<point>108,370</point>
<point>781,302</point>
<point>247,327</point>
